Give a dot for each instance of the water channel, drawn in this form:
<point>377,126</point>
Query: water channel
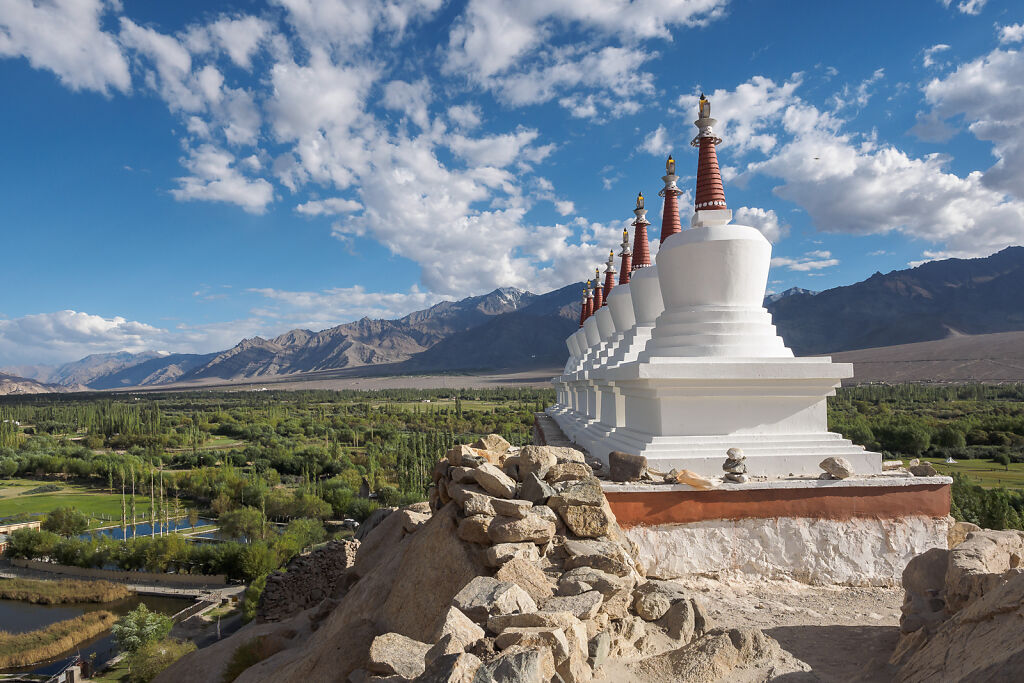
<point>19,617</point>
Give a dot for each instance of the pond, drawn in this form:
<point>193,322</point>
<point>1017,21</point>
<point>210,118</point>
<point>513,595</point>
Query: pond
<point>19,617</point>
<point>145,529</point>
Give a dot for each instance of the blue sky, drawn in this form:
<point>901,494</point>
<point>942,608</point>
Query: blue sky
<point>180,175</point>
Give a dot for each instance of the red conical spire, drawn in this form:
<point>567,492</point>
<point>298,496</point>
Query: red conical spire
<point>627,259</point>
<point>583,308</point>
<point>609,275</point>
<point>670,216</point>
<point>589,306</point>
<point>710,193</point>
<point>598,291</point>
<point>641,247</point>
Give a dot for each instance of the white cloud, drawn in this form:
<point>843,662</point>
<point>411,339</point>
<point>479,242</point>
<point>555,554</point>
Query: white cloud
<point>64,36</point>
<point>811,261</point>
<point>972,7</point>
<point>988,93</point>
<point>852,183</point>
<point>656,142</point>
<point>346,26</point>
<point>564,207</point>
<point>412,99</point>
<point>1012,33</point>
<point>68,335</point>
<point>765,220</point>
<point>327,308</point>
<point>239,38</point>
<point>859,95</point>
<point>465,116</point>
<point>928,60</point>
<point>493,150</point>
<point>215,179</point>
<point>329,207</point>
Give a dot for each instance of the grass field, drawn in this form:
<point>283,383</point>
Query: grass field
<point>984,472</point>
<point>101,507</point>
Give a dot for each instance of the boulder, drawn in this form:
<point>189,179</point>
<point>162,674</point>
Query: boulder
<point>958,533</point>
<point>586,521</point>
<point>494,443</point>
<point>455,455</point>
<point>494,481</point>
<point>536,460</point>
<point>566,454</point>
<point>581,492</point>
<point>447,645</point>
<point>475,529</point>
<point>460,627</point>
<point>713,657</point>
<point>924,580</point>
<point>603,555</point>
<point>567,471</point>
<point>525,574</point>
<point>484,596</point>
<point>625,466</point>
<point>545,618</point>
<point>583,606</point>
<point>451,668</point>
<point>583,579</point>
<point>478,504</point>
<point>598,649</point>
<point>393,653</point>
<point>461,475</point>
<point>535,637</point>
<point>978,565</point>
<point>460,493</point>
<point>531,528</point>
<point>511,508</point>
<point>527,666</point>
<point>837,466</point>
<point>498,555</point>
<point>535,489</point>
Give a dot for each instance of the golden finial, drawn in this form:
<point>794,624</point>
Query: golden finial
<point>640,201</point>
<point>704,107</point>
<point>670,166</point>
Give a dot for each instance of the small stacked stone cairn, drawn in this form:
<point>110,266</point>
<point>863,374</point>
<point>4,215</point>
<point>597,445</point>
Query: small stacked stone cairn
<point>308,579</point>
<point>734,466</point>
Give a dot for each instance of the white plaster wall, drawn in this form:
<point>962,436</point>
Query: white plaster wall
<point>857,552</point>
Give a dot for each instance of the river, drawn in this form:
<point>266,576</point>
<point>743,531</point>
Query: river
<point>19,617</point>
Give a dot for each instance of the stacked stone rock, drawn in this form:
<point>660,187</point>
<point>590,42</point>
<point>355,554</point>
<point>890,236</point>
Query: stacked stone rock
<point>308,579</point>
<point>567,592</point>
<point>734,466</point>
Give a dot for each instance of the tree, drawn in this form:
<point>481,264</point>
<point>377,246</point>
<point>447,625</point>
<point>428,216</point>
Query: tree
<point>139,628</point>
<point>1002,459</point>
<point>256,560</point>
<point>66,521</point>
<point>244,522</point>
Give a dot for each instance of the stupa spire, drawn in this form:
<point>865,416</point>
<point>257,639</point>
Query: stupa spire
<point>641,248</point>
<point>710,193</point>
<point>583,308</point>
<point>627,259</point>
<point>588,306</point>
<point>670,217</point>
<point>609,274</point>
<point>598,290</point>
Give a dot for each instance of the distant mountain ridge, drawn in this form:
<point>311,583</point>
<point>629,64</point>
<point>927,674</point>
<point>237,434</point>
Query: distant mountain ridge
<point>511,329</point>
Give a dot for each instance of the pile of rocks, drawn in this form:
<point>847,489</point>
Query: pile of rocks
<point>567,594</point>
<point>308,579</point>
<point>734,466</point>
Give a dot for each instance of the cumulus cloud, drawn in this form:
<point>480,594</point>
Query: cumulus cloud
<point>656,142</point>
<point>852,183</point>
<point>765,220</point>
<point>328,207</point>
<point>67,335</point>
<point>1012,33</point>
<point>214,178</point>
<point>929,60</point>
<point>811,261</point>
<point>972,7</point>
<point>64,36</point>
<point>330,307</point>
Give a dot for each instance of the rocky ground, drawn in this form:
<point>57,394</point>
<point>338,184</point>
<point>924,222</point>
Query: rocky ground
<point>516,571</point>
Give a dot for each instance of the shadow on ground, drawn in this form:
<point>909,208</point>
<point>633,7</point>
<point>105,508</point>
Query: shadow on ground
<point>839,653</point>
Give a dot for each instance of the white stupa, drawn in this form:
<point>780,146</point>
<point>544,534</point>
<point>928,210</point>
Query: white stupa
<point>684,362</point>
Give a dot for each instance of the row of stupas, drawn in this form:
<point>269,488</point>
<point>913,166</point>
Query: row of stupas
<point>679,361</point>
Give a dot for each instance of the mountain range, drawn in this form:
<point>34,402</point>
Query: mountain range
<point>513,330</point>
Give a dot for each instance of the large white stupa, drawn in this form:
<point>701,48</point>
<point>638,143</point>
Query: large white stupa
<point>680,361</point>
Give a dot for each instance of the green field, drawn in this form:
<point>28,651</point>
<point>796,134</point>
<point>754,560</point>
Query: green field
<point>984,472</point>
<point>102,508</point>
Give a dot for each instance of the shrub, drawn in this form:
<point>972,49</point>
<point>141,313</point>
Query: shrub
<point>139,628</point>
<point>66,521</point>
<point>152,658</point>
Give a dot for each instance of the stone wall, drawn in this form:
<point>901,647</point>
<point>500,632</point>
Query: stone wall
<point>307,580</point>
<point>857,552</point>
